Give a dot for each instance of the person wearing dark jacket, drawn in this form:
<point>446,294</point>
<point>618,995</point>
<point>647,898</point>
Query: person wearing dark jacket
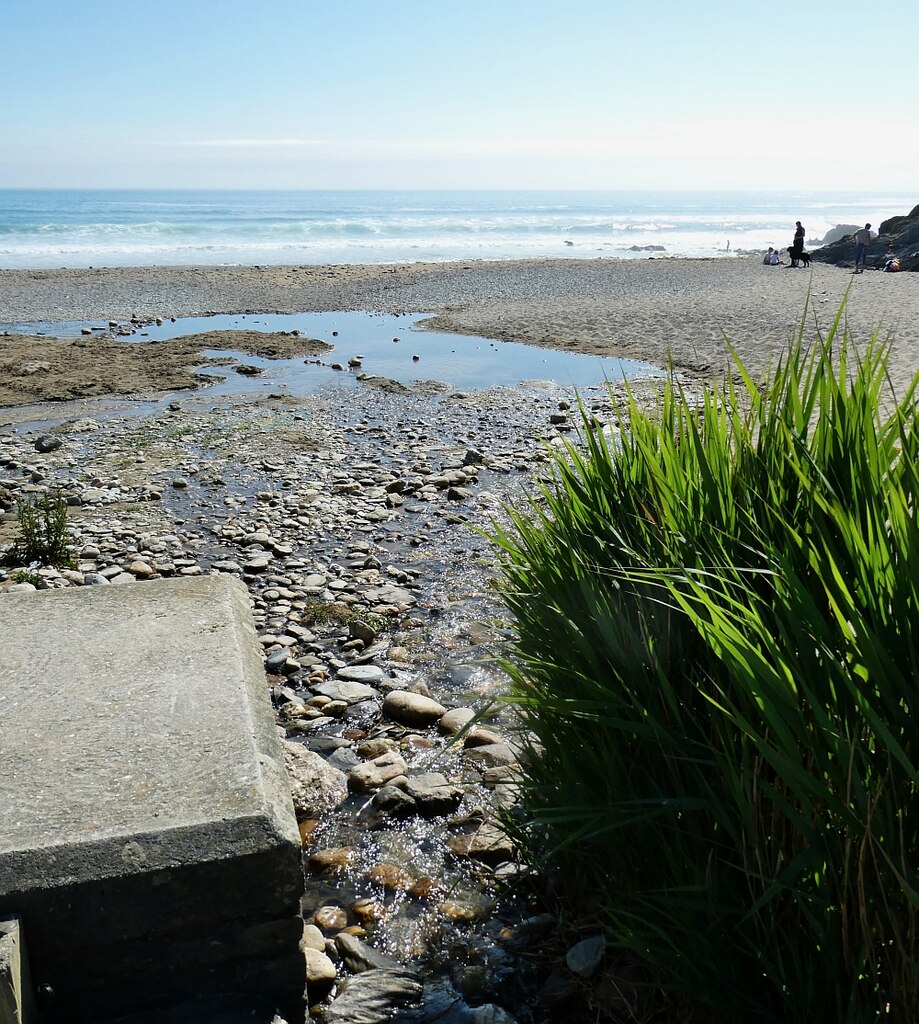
<point>797,246</point>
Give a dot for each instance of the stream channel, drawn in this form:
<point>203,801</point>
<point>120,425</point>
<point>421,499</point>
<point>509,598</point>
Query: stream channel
<point>292,453</point>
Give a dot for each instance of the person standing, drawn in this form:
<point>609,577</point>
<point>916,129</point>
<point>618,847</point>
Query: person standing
<point>797,246</point>
<point>862,241</point>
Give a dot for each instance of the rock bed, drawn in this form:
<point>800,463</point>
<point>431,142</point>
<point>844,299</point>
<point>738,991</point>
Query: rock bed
<point>348,516</point>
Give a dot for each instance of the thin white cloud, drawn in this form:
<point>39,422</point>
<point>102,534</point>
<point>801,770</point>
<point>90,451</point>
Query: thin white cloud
<point>701,139</point>
<point>260,143</point>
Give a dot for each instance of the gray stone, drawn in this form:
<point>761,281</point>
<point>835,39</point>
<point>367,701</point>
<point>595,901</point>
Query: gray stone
<point>412,708</point>
<point>226,565</point>
<point>488,843</point>
<point>263,540</point>
<point>315,785</point>
<point>344,759</point>
<point>455,720</point>
<point>47,443</point>
<point>491,755</point>
<point>359,957</point>
<point>369,674</point>
<point>374,996</point>
<point>360,630</point>
<point>312,938</point>
<point>276,662</point>
<point>320,971</point>
<point>433,794</point>
<point>491,1013</point>
<point>394,801</point>
<point>344,689</point>
<point>389,594</point>
<point>586,956</point>
<point>149,840</point>
<point>479,737</point>
<point>376,773</point>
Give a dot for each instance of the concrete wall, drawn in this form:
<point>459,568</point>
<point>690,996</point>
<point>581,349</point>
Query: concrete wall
<point>149,843</point>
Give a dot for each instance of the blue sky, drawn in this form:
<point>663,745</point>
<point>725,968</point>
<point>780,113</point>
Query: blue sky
<point>468,94</point>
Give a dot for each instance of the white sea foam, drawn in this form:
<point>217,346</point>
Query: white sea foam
<point>88,228</point>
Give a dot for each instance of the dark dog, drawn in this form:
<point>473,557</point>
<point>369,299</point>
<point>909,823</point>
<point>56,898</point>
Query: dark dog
<point>803,256</point>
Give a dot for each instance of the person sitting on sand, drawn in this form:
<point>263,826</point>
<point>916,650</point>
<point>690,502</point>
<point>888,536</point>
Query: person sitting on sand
<point>767,259</point>
<point>774,260</point>
<point>892,265</point>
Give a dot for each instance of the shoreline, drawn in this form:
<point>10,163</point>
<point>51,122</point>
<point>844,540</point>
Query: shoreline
<point>658,310</point>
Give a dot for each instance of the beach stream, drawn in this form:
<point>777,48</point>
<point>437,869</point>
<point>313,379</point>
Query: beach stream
<point>302,461</point>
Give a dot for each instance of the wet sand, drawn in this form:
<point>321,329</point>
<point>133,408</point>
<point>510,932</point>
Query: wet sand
<point>39,369</point>
<point>657,310</point>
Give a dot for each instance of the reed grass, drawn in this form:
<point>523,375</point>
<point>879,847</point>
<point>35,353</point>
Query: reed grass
<point>716,654</point>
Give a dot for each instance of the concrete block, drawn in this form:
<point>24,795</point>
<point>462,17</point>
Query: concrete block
<point>149,842</point>
<point>16,1003</point>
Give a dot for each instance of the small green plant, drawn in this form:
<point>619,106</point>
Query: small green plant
<point>43,529</point>
<point>25,576</point>
<point>318,613</point>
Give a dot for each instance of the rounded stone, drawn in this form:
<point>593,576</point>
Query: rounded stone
<point>455,720</point>
<point>330,918</point>
<point>409,708</point>
<point>319,968</point>
<point>312,938</point>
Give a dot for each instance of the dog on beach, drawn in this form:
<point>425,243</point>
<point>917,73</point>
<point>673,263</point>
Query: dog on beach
<point>803,256</point>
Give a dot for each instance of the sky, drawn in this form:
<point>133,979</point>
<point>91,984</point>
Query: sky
<point>568,94</point>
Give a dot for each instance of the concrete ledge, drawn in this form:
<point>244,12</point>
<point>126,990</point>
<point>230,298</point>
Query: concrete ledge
<point>149,842</point>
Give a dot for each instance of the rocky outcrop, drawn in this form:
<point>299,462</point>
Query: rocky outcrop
<point>837,233</point>
<point>897,237</point>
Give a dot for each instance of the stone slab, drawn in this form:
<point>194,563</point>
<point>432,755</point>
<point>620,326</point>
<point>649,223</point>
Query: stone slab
<point>148,838</point>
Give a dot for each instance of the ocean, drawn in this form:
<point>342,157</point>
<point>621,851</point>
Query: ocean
<point>48,228</point>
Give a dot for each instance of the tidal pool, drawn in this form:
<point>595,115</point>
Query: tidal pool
<point>388,345</point>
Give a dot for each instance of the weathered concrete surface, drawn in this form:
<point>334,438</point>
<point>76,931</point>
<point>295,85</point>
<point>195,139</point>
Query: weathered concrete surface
<point>148,840</point>
<point>16,1003</point>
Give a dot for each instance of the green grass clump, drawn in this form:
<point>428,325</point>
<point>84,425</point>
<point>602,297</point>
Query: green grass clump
<point>43,533</point>
<point>716,652</point>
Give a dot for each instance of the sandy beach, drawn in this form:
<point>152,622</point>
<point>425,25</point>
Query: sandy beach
<point>656,310</point>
